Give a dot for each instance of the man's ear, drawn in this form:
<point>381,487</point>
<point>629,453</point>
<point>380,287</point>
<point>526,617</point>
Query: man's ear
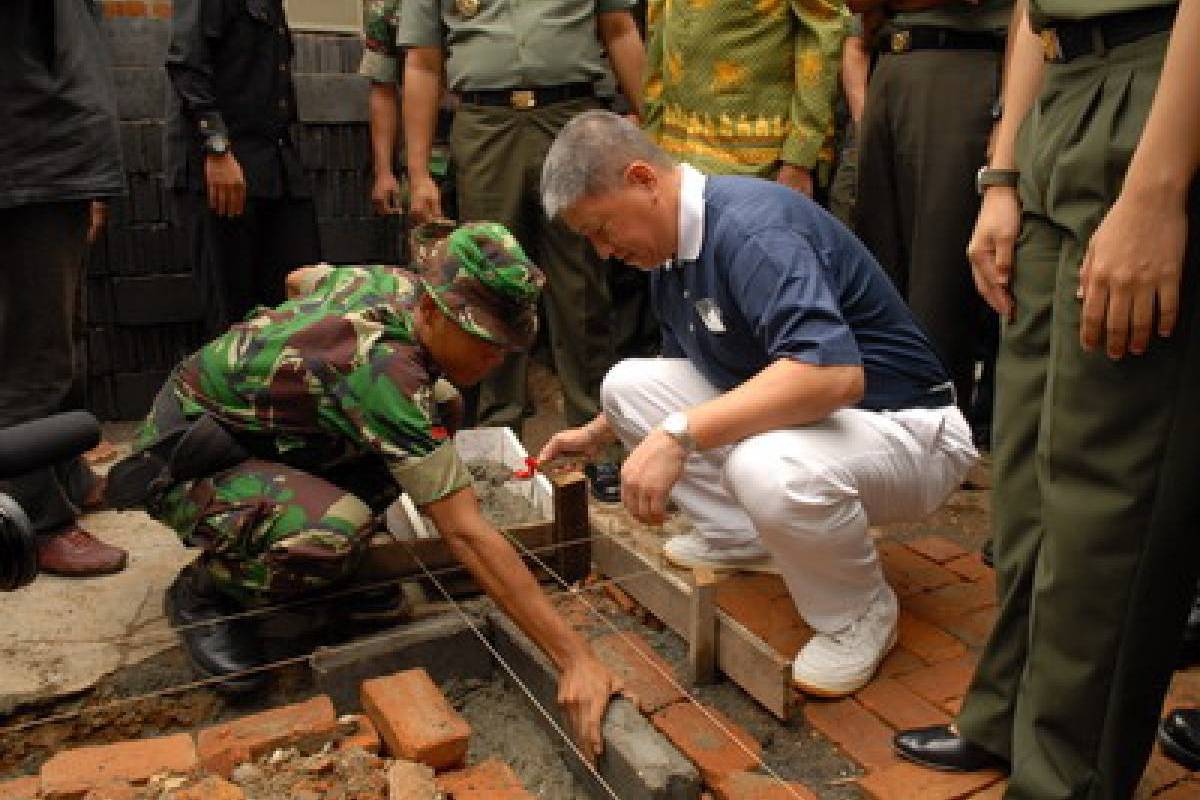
<point>640,174</point>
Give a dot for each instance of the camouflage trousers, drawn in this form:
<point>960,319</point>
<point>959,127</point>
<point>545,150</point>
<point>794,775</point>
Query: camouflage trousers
<point>268,531</point>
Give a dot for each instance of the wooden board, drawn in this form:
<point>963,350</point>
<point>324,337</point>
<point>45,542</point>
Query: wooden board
<point>748,660</point>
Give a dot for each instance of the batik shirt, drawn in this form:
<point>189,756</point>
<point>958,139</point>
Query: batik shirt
<point>380,54</point>
<point>337,368</point>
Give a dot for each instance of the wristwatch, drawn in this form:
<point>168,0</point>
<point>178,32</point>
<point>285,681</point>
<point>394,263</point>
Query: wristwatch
<point>216,144</point>
<point>986,177</point>
<point>675,425</point>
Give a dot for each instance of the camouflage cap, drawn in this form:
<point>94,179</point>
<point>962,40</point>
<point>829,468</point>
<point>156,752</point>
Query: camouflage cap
<point>481,278</point>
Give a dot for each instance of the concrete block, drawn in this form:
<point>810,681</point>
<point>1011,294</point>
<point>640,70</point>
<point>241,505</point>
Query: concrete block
<point>331,98</point>
<point>638,762</point>
<point>443,645</point>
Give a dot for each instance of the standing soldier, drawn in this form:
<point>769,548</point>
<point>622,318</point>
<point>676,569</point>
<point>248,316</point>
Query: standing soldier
<point>230,158</point>
<point>1086,245</point>
<point>520,74</point>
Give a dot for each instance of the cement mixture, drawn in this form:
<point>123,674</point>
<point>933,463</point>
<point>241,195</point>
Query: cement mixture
<point>500,504</point>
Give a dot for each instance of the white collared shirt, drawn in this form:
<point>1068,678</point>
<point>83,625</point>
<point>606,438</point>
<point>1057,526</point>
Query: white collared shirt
<point>691,213</point>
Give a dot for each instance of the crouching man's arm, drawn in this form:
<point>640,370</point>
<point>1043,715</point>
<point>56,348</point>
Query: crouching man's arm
<point>584,683</point>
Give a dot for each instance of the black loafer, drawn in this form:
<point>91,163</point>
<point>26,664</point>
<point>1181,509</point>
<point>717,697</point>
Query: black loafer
<point>605,480</point>
<point>939,747</point>
<point>1179,736</point>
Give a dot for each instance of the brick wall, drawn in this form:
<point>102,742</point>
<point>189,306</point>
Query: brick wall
<point>142,304</point>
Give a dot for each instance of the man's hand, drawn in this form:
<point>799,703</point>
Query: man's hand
<point>648,475</point>
<point>385,194</point>
<point>97,217</point>
<point>584,689</point>
<point>1132,267</point>
<point>226,185</point>
<point>425,201</point>
<point>571,442</point>
<point>797,178</point>
<point>991,248</point>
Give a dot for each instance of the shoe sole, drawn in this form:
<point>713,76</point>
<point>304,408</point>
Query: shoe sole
<point>766,566</point>
<point>933,765</point>
<point>838,693</point>
<point>1176,751</point>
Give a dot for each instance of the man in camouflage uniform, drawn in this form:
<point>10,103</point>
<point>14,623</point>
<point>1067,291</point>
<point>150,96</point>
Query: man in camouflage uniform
<point>274,447</point>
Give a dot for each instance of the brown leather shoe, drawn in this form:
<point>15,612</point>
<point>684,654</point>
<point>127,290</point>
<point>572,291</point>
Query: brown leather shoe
<point>75,553</point>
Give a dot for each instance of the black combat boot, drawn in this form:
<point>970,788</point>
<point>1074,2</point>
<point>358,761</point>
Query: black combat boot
<point>222,646</point>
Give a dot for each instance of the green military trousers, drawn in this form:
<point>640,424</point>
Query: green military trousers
<point>498,154</point>
<point>1096,502</point>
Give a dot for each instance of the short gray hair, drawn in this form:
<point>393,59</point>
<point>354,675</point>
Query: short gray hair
<point>589,157</point>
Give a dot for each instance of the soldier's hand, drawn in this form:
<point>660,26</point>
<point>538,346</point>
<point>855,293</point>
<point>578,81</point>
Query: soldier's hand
<point>226,185</point>
<point>424,200</point>
<point>797,178</point>
<point>1133,266</point>
<point>991,247</point>
<point>385,194</point>
<point>584,689</point>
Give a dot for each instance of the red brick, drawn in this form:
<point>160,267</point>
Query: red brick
<point>408,780</point>
<point>1182,791</point>
<point>211,788</point>
<point>73,772</point>
<point>974,627</point>
<point>854,729</point>
<point>948,604</point>
<point>910,573</point>
<point>363,735</point>
<point>307,725</point>
<point>491,780</point>
<point>971,568</point>
<point>20,788</point>
<point>415,720</point>
<point>951,706</point>
<point>899,706</point>
<point>910,782</point>
<point>928,643</point>
<point>900,662</point>
<point>752,786</point>
<point>118,790</point>
<point>642,671</point>
<point>936,548</point>
<point>615,593</point>
<point>940,682</point>
<point>1162,773</point>
<point>993,792</point>
<point>715,752</point>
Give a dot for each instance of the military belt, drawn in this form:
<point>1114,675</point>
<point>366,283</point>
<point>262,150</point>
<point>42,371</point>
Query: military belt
<point>529,98</point>
<point>1066,40</point>
<point>906,40</point>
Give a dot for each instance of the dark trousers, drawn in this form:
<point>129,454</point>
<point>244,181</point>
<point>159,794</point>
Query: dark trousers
<point>42,248</point>
<point>924,134</point>
<point>242,262</point>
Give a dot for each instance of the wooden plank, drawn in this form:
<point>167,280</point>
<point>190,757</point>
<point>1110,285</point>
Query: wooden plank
<point>702,628</point>
<point>748,661</point>
<point>387,558</point>
<point>572,525</point>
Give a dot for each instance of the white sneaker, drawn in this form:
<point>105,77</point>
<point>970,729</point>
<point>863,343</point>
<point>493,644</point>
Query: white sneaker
<point>840,663</point>
<point>693,550</point>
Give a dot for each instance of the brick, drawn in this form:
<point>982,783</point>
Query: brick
<point>993,792</point>
<point>974,627</point>
<point>910,573</point>
<point>1162,773</point>
<point>305,725</point>
<point>362,734</point>
<point>408,780</point>
<point>900,662</point>
<point>951,706</point>
<point>25,788</point>
<point>491,780</point>
<point>910,782</point>
<point>212,787</point>
<point>1182,791</point>
<point>642,671</point>
<point>615,593</point>
<point>927,642</point>
<point>970,567</point>
<point>940,682</point>
<point>899,706</point>
<point>716,748</point>
<point>73,772</point>
<point>855,730</point>
<point>113,791</point>
<point>949,604</point>
<point>415,720</point>
<point>752,786</point>
<point>936,548</point>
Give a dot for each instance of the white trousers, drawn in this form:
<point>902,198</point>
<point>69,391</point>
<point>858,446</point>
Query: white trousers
<point>806,493</point>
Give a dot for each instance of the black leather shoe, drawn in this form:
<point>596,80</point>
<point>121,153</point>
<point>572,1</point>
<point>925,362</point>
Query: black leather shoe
<point>605,480</point>
<point>1179,736</point>
<point>939,747</point>
<point>218,648</point>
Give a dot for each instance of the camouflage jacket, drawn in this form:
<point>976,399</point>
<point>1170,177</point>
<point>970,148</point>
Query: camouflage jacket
<point>337,370</point>
<point>379,61</point>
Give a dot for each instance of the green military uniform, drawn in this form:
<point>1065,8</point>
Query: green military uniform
<point>500,46</point>
<point>1095,502</point>
<point>329,400</point>
<point>924,134</point>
